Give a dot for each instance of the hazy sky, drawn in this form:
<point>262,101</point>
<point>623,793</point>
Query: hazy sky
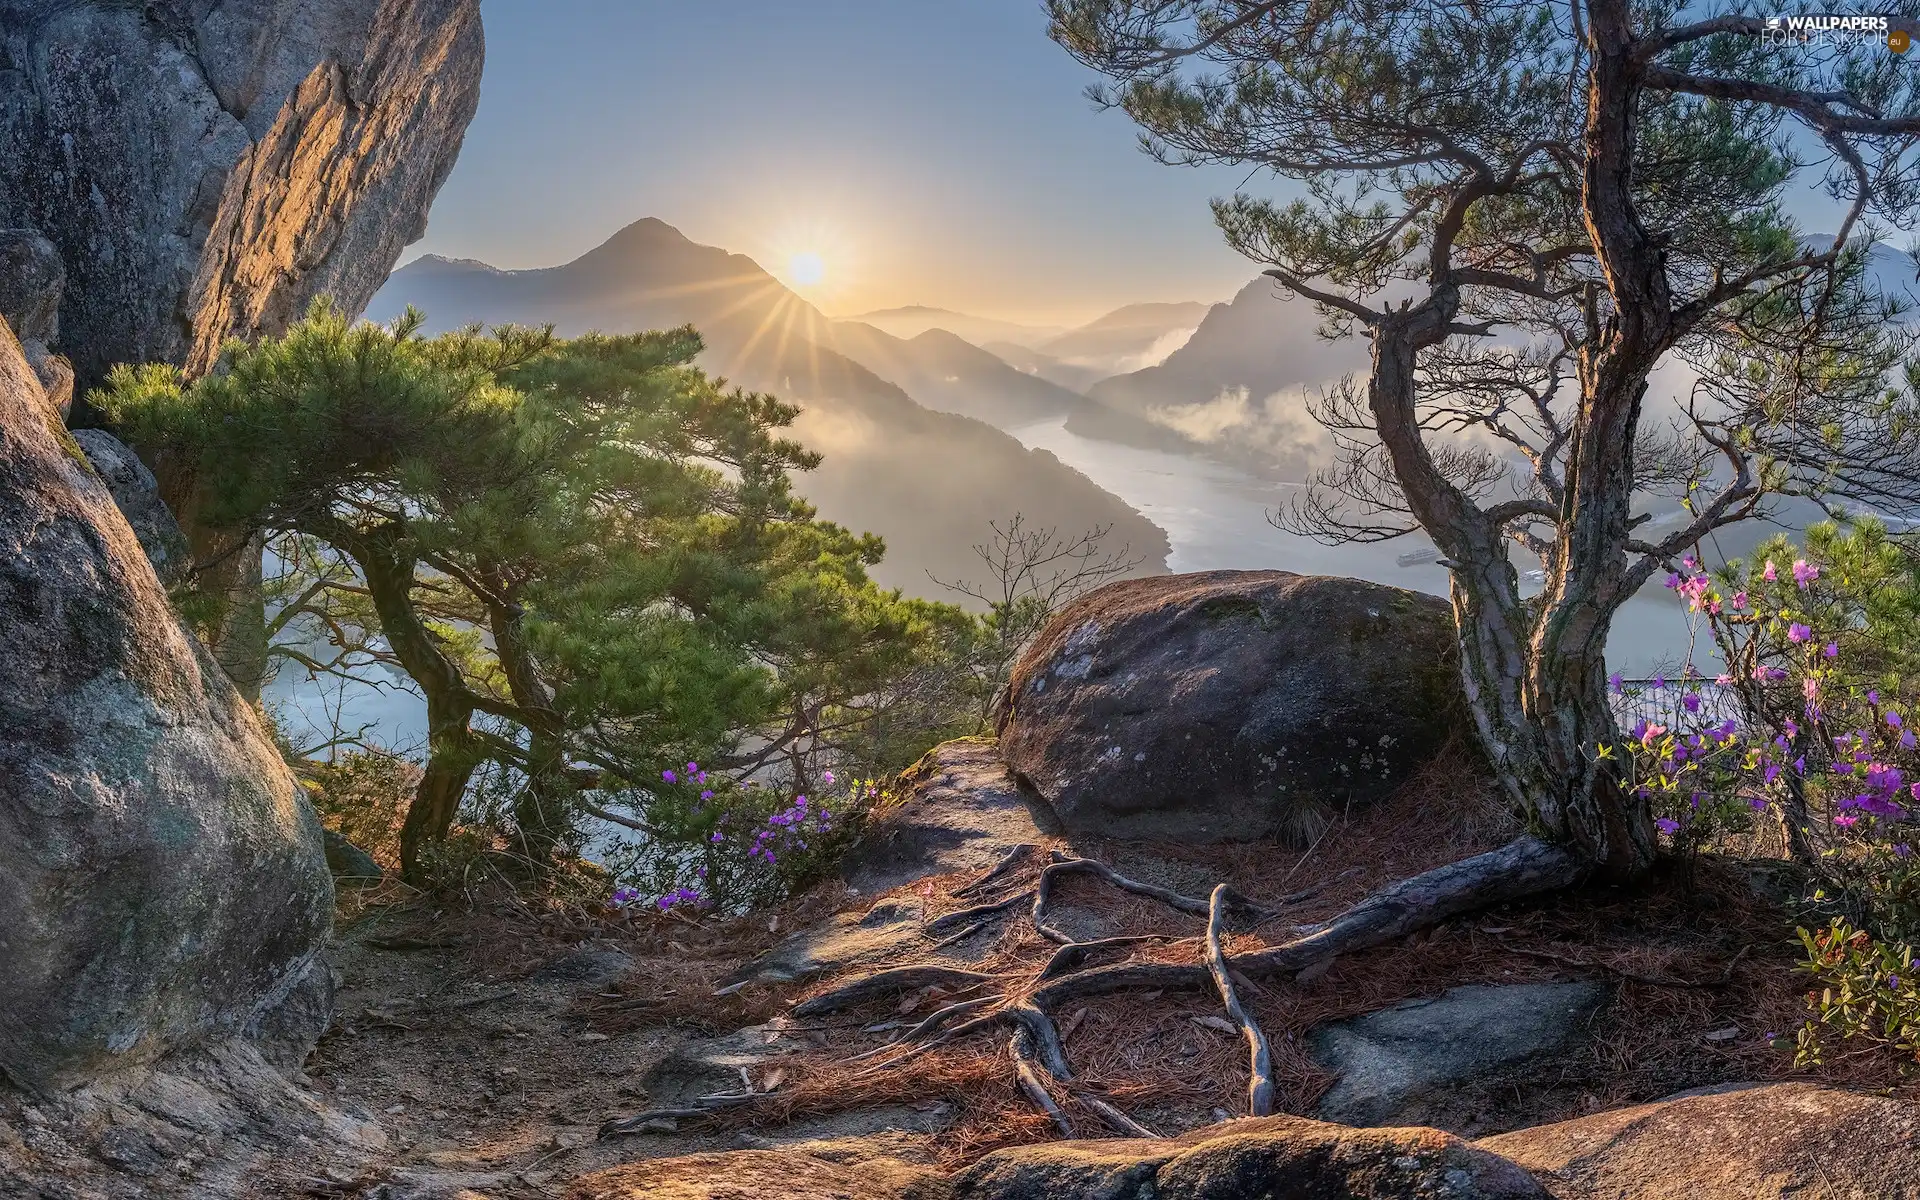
<point>929,151</point>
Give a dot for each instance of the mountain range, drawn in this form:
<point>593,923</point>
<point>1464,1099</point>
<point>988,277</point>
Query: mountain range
<point>906,426</point>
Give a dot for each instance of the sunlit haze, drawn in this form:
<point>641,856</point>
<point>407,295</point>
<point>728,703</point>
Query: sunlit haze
<point>925,152</point>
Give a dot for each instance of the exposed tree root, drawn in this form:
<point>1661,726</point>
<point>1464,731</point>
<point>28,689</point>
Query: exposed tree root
<point>954,920</point>
<point>961,936</point>
<point>1008,863</point>
<point>1260,1074</point>
<point>1029,1079</point>
<point>931,1025</point>
<point>1061,865</point>
<point>1074,955</point>
<point>882,983</point>
<point>1114,1117</point>
<point>1524,868</point>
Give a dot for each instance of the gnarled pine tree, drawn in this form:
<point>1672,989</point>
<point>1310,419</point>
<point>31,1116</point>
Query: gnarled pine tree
<point>1527,208</point>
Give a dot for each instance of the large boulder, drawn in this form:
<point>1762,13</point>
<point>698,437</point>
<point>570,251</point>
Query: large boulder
<point>1751,1142</point>
<point>162,882</point>
<point>1231,704</point>
<point>1272,1158</point>
<point>207,167</point>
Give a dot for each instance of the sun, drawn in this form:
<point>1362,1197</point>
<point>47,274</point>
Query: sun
<point>806,269</point>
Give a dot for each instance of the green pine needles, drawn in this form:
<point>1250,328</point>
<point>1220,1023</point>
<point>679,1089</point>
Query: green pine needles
<point>585,554</point>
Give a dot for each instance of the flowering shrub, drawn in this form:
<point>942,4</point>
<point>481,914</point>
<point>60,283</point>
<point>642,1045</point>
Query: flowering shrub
<point>1869,992</point>
<point>715,845</point>
<point>1821,688</point>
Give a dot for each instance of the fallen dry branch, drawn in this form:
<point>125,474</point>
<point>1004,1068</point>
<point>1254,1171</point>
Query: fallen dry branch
<point>1260,1078</point>
<point>704,1107</point>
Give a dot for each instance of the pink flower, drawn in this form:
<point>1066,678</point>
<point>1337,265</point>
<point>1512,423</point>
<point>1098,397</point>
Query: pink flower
<point>1739,599</point>
<point>1804,572</point>
<point>1797,632</point>
<point>1769,574</point>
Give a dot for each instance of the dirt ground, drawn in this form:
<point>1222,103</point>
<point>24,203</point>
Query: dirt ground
<point>494,1039</point>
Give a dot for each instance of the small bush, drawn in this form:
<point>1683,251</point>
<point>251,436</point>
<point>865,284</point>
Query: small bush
<point>1811,727</point>
<point>710,845</point>
<point>1868,993</point>
<point>363,796</point>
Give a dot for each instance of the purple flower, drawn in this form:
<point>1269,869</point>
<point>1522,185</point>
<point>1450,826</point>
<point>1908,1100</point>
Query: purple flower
<point>1833,649</point>
<point>1902,850</point>
<point>717,837</point>
<point>1873,697</point>
<point>1893,719</point>
<point>669,776</point>
<point>1668,826</point>
<point>706,795</point>
<point>1659,682</point>
<point>693,768</point>
<point>1804,572</point>
<point>826,776</point>
<point>1691,701</point>
<point>1845,820</point>
<point>1797,632</point>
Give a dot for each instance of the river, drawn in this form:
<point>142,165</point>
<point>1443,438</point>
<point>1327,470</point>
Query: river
<point>1215,518</point>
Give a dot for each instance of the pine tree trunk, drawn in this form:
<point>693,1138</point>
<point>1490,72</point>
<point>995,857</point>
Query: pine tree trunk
<point>453,751</point>
<point>1536,684</point>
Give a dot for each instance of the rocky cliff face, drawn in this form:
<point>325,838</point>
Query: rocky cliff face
<point>206,167</point>
<point>162,882</point>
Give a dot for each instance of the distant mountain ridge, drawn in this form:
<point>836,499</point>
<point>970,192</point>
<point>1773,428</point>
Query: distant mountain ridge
<point>928,481</point>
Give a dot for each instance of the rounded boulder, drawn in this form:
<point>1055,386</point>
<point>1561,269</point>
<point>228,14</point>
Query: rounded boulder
<point>1229,705</point>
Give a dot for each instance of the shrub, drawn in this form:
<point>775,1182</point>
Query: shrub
<point>1811,723</point>
<point>363,796</point>
<point>710,845</point>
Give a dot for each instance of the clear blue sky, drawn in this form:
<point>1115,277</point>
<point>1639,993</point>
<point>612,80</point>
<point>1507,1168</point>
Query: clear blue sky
<point>930,151</point>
